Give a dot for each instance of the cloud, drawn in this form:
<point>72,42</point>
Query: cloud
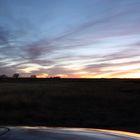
<point>4,36</point>
<point>35,50</point>
<point>81,48</point>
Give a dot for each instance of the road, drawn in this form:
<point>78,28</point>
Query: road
<point>45,133</point>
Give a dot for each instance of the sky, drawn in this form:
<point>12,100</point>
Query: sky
<point>70,38</point>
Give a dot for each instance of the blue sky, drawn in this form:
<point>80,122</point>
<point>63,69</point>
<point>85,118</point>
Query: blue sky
<point>70,38</point>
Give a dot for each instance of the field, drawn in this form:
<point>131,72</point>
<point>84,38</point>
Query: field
<point>95,103</point>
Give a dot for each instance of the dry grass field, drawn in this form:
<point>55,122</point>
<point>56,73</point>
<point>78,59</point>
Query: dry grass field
<point>96,103</point>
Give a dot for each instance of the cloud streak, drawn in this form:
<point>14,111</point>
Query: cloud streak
<point>105,37</point>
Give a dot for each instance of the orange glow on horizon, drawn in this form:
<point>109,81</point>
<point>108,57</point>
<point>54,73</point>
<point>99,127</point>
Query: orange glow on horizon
<point>124,74</point>
<point>44,75</point>
<point>123,71</point>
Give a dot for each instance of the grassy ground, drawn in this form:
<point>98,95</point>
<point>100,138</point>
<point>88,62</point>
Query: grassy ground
<point>100,103</point>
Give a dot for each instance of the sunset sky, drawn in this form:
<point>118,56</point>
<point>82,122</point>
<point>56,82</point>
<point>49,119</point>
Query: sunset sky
<point>70,38</point>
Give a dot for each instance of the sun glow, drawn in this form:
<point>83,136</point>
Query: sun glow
<point>121,68</point>
<point>28,68</point>
<point>43,75</point>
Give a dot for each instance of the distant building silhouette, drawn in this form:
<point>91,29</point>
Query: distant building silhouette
<point>33,76</point>
<point>16,75</point>
<point>55,77</point>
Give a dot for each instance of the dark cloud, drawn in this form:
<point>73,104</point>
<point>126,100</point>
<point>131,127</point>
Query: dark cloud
<point>34,50</point>
<point>4,36</point>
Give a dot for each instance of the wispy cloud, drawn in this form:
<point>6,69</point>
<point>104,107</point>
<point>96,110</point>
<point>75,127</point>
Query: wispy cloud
<point>103,41</point>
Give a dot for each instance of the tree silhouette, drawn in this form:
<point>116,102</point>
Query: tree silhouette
<point>3,76</point>
<point>16,75</point>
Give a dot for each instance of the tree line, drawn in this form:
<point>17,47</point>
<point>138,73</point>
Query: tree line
<point>15,75</point>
